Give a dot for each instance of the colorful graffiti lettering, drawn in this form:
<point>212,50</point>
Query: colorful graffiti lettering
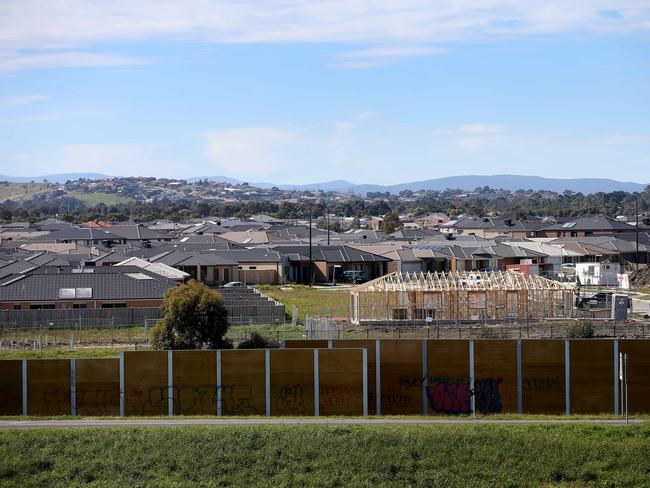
<point>488,396</point>
<point>449,398</point>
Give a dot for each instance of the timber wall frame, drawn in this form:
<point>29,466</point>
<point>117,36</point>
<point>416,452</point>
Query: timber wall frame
<point>460,296</point>
<point>338,377</point>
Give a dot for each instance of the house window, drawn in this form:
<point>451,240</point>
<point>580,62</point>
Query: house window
<point>42,306</point>
<point>252,267</point>
<point>113,305</point>
<point>78,305</point>
<point>17,306</point>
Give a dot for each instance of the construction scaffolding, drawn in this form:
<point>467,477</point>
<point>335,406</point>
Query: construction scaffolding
<point>462,296</point>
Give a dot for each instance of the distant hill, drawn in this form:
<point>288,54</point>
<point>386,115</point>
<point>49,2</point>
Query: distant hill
<point>465,182</point>
<point>55,178</point>
<point>470,182</point>
<point>217,179</point>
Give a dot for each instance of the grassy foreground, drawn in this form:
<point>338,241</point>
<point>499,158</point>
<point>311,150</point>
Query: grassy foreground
<point>445,455</point>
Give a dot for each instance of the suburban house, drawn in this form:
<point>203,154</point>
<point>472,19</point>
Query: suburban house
<point>595,225</point>
<point>328,262</point>
<point>56,287</point>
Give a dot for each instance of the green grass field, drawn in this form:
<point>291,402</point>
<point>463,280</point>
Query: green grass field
<point>92,199</point>
<point>313,301</point>
<point>368,456</point>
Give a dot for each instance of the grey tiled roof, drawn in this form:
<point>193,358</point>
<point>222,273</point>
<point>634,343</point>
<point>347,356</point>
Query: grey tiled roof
<point>107,283</point>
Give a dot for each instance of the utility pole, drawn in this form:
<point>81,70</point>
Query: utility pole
<point>310,254</point>
<point>636,211</point>
<point>327,210</point>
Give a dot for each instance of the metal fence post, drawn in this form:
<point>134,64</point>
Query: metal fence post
<point>364,379</point>
<point>24,383</point>
<point>520,392</point>
<point>170,383</point>
<point>567,375</point>
<point>219,385</point>
<point>122,392</point>
<point>267,380</point>
<point>616,376</point>
<point>378,377</point>
<point>73,387</point>
<point>425,379</point>
<point>472,401</point>
<point>316,385</point>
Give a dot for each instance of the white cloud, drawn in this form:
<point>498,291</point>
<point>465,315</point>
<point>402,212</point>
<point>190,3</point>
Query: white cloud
<point>31,119</point>
<point>481,128</point>
<point>63,59</point>
<point>251,150</point>
<point>377,56</point>
<point>392,29</point>
<point>22,100</point>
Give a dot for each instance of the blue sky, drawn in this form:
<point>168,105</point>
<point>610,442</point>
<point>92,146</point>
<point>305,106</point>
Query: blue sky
<point>299,92</point>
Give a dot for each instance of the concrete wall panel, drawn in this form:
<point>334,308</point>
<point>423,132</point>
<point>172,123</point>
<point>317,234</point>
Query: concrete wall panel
<point>401,377</point>
<point>98,387</point>
<point>448,389</point>
<point>495,376</point>
<point>145,383</point>
<point>370,346</point>
<point>592,376</point>
<point>306,344</point>
<point>195,382</point>
<point>11,387</point>
<point>638,376</point>
<point>543,376</point>
<point>292,382</point>
<point>243,387</point>
<point>48,387</point>
<point>340,381</point>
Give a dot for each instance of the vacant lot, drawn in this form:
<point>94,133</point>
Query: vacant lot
<point>22,191</point>
<point>313,301</point>
<point>373,456</point>
<point>92,199</point>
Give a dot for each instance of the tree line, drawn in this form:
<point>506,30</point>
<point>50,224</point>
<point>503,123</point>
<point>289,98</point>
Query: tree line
<point>518,204</point>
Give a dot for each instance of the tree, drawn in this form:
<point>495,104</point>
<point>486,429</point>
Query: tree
<point>258,341</point>
<point>390,223</point>
<point>194,317</point>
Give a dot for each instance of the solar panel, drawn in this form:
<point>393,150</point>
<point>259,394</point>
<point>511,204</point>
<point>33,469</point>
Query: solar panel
<point>139,276</point>
<point>66,293</point>
<point>84,292</point>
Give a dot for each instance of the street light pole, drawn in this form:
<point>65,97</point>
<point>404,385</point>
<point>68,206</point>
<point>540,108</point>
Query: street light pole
<point>310,254</point>
<point>636,211</point>
<point>327,211</point>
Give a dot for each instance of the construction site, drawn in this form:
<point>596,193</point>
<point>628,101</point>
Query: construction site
<point>477,296</point>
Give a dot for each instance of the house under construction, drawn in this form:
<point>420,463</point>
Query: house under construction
<point>460,296</point>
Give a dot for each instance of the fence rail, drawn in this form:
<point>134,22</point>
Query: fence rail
<point>108,317</point>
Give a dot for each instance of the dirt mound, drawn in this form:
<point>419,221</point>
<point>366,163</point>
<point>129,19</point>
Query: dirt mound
<point>641,278</point>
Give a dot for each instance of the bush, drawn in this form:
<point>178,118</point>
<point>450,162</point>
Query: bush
<point>581,330</point>
<point>258,341</point>
<point>194,317</point>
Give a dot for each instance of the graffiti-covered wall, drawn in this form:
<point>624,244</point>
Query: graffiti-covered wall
<point>503,376</point>
<point>338,377</point>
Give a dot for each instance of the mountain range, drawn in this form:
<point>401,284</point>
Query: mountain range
<point>464,182</point>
